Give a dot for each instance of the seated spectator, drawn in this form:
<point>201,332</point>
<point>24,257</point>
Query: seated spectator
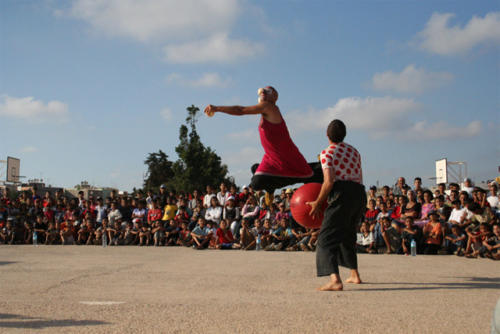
<point>130,235</point>
<point>184,236</point>
<point>182,215</point>
<point>457,215</point>
<point>282,237</point>
<point>433,234</point>
<point>492,244</point>
<point>365,242</point>
<point>410,232</point>
<point>52,234</point>
<point>67,233</point>
<point>144,233</point>
<point>371,213</point>
<point>455,241</point>
<point>247,239</point>
<point>201,234</point>
<point>100,231</point>
<point>214,212</point>
<point>391,235</point>
<point>40,227</point>
<point>225,238</point>
<point>372,194</point>
<point>172,233</point>
<point>250,210</point>
<point>158,233</point>
<point>116,234</point>
<point>197,213</point>
<point>7,234</point>
<point>223,194</point>
<point>232,213</point>
<point>477,235</point>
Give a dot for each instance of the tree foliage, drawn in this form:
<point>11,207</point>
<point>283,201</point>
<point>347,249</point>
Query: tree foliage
<point>197,166</point>
<point>159,170</point>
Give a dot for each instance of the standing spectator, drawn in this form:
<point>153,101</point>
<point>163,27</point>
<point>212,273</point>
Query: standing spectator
<point>214,212</point>
<point>170,210</point>
<point>468,187</point>
<point>223,194</point>
<point>139,215</point>
<point>155,213</point>
<point>193,202</point>
<point>208,197</point>
<point>372,193</point>
<point>101,211</point>
<point>243,195</point>
<point>493,199</point>
<point>417,185</point>
<point>398,187</point>
<point>115,214</point>
<point>427,205</point>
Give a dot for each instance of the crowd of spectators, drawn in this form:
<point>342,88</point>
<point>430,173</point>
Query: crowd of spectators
<point>461,221</point>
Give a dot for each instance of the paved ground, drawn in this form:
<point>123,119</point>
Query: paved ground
<point>58,289</point>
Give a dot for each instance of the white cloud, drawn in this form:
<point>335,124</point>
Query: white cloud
<point>33,110</point>
<point>146,20</point>
<point>374,114</point>
<point>166,114</point>
<point>440,130</point>
<point>217,48</point>
<point>380,117</point>
<point>410,80</point>
<point>207,80</point>
<point>437,37</point>
<point>29,149</point>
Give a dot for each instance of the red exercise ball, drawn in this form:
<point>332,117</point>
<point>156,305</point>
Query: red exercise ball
<point>300,210</point>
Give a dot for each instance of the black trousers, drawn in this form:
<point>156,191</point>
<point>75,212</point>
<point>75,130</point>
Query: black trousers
<point>270,183</point>
<point>337,237</point>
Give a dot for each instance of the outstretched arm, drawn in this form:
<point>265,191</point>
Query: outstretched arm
<point>237,110</point>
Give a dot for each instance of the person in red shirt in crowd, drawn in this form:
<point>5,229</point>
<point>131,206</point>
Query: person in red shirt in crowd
<point>181,215</point>
<point>88,210</point>
<point>155,213</point>
<point>372,212</point>
<point>225,238</point>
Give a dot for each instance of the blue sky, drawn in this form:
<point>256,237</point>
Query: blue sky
<point>89,88</point>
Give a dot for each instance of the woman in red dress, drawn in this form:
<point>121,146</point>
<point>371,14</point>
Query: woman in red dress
<point>282,164</point>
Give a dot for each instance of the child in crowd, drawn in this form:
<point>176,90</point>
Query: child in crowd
<point>433,234</point>
<point>158,233</point>
<point>184,236</point>
<point>201,234</point>
<point>365,242</point>
<point>225,238</point>
<point>171,233</point>
<point>410,232</point>
<point>455,241</point>
<point>144,234</point>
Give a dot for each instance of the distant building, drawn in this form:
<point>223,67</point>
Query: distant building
<point>90,190</point>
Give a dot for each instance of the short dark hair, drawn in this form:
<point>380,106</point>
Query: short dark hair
<point>418,178</point>
<point>336,131</point>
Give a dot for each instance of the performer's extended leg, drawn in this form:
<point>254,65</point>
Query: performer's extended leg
<point>270,183</point>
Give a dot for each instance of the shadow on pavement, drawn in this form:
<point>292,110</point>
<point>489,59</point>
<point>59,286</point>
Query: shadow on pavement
<point>36,323</point>
<point>3,263</point>
<point>473,283</point>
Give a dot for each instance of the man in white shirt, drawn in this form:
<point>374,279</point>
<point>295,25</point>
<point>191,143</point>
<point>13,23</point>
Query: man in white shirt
<point>208,197</point>
<point>468,187</point>
<point>457,215</point>
<point>223,195</point>
<point>493,198</point>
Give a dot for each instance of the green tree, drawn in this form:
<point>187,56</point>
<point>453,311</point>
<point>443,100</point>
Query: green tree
<point>159,170</point>
<point>197,166</point>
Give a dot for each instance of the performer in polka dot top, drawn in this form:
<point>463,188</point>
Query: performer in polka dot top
<point>344,160</point>
<point>343,188</point>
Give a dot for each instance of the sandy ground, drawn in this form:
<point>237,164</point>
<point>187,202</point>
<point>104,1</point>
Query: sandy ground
<point>58,289</point>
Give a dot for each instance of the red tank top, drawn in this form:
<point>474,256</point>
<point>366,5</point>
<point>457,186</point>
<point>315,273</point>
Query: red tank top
<point>282,157</point>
